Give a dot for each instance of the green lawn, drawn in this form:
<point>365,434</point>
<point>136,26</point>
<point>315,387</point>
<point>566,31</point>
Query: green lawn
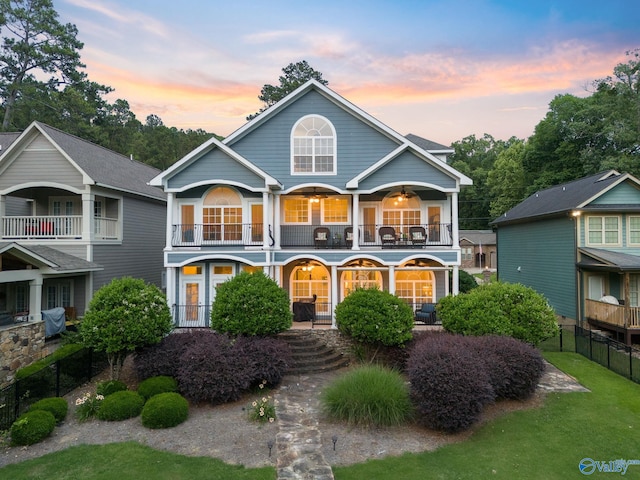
<point>546,443</point>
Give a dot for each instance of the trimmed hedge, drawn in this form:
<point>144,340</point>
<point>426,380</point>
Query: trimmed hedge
<point>165,410</point>
<point>108,387</point>
<point>32,427</point>
<point>120,406</point>
<point>156,385</point>
<point>57,406</point>
<point>449,386</point>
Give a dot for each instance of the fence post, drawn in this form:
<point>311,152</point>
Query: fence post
<point>608,353</point>
<point>57,364</point>
<point>561,337</point>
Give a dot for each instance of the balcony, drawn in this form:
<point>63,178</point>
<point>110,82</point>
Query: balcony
<point>56,227</point>
<point>314,236</point>
<point>615,316</point>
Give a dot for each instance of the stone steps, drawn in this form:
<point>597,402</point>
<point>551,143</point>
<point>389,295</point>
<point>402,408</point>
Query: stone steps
<point>310,355</point>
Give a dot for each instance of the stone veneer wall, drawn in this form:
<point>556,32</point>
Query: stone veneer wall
<point>335,340</point>
<point>20,345</point>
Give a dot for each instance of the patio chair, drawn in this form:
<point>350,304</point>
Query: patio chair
<point>348,236</point>
<point>321,236</point>
<point>387,236</point>
<point>426,314</point>
<point>418,235</point>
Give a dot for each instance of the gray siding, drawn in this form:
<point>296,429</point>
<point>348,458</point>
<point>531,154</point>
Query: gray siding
<point>42,164</point>
<point>358,144</point>
<point>15,206</point>
<point>216,165</point>
<point>406,167</point>
<point>545,253</point>
<point>141,253</point>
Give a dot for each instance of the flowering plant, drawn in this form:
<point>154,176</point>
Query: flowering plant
<point>88,406</point>
<point>264,409</point>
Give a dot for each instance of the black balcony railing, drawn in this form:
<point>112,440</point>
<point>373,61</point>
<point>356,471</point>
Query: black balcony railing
<point>313,236</point>
<point>191,316</point>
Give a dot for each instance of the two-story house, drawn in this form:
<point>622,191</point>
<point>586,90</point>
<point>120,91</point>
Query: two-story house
<point>578,244</point>
<point>73,216</point>
<point>321,196</point>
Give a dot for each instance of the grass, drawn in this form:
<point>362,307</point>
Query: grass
<point>368,395</point>
<point>545,443</point>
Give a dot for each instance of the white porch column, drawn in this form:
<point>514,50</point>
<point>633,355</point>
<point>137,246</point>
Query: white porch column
<point>88,200</point>
<point>35,299</point>
<point>265,221</point>
<point>455,237</point>
<point>456,283</point>
<point>276,221</point>
<point>171,287</point>
<point>2,213</point>
<point>392,279</point>
<point>355,221</point>
<point>169,233</point>
<point>446,283</point>
<point>334,294</point>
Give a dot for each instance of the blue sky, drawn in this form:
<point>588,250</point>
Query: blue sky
<point>439,69</point>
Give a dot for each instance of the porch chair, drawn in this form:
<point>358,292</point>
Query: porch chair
<point>426,314</point>
<point>348,236</point>
<point>321,236</point>
<point>387,236</point>
<point>418,235</point>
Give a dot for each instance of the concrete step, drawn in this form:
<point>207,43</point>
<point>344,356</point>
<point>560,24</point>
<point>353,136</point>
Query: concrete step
<point>310,355</point>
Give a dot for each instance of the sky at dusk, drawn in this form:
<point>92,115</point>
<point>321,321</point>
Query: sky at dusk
<point>439,69</point>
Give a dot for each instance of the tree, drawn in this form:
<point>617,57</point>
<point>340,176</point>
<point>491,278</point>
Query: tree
<point>123,316</point>
<point>38,46</point>
<point>295,74</point>
<point>506,181</point>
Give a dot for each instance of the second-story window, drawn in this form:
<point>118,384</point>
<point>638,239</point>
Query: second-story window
<point>313,146</point>
<point>603,230</point>
<point>222,215</point>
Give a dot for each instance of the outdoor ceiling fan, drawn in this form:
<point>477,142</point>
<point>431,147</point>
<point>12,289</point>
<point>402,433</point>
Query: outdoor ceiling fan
<point>403,194</point>
<point>315,196</point>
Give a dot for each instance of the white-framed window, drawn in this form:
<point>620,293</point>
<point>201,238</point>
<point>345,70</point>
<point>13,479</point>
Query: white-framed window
<point>313,146</point>
<point>58,294</point>
<point>467,253</point>
<point>296,210</point>
<point>335,210</point>
<point>416,287</point>
<point>603,230</point>
<point>222,215</point>
<point>633,230</point>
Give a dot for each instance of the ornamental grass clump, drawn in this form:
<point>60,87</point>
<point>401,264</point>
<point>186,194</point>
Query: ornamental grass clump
<point>120,406</point>
<point>57,406</point>
<point>369,395</point>
<point>155,385</point>
<point>32,427</point>
<point>108,387</point>
<point>165,410</point>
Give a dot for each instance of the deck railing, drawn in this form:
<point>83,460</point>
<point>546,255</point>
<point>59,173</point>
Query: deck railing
<point>617,315</point>
<point>229,234</point>
<point>56,227</point>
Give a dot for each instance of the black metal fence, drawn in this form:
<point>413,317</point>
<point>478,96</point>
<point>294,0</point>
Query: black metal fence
<point>616,356</point>
<point>55,380</point>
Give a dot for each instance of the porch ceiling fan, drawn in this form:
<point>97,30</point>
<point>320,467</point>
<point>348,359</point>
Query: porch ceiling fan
<point>403,194</point>
<point>315,196</point>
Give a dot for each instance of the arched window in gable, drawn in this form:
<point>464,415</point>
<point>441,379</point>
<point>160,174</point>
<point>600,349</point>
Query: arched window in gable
<point>313,146</point>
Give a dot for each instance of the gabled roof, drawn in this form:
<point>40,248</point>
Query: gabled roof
<point>103,167</point>
<point>429,145</point>
<point>49,258</point>
<point>161,179</point>
<point>478,237</point>
<point>563,198</point>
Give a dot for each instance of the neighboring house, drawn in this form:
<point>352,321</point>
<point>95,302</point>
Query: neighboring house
<point>578,244</point>
<point>323,198</point>
<point>73,216</point>
<point>478,249</point>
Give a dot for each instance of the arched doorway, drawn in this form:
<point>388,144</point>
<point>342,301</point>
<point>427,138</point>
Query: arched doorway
<point>309,279</point>
<point>416,286</point>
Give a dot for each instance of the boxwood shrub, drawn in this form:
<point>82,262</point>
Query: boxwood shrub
<point>165,410</point>
<point>32,427</point>
<point>57,406</point>
<point>108,387</point>
<point>449,385</point>
<point>155,385</point>
<point>120,406</point>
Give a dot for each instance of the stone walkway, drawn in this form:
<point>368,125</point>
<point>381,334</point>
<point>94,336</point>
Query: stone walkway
<point>299,442</point>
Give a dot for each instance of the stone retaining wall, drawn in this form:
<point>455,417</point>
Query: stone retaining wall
<point>20,345</point>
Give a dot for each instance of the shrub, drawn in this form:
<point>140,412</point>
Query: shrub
<point>123,316</point>
<point>120,406</point>
<point>368,395</point>
<point>374,317</point>
<point>267,359</point>
<point>110,386</point>
<point>211,370</point>
<point>466,282</point>
<point>87,406</point>
<point>32,427</point>
<point>500,309</point>
<point>57,406</point>
<point>515,367</point>
<point>165,410</point>
<point>449,385</point>
<point>251,304</point>
<point>164,357</point>
<point>156,385</point>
